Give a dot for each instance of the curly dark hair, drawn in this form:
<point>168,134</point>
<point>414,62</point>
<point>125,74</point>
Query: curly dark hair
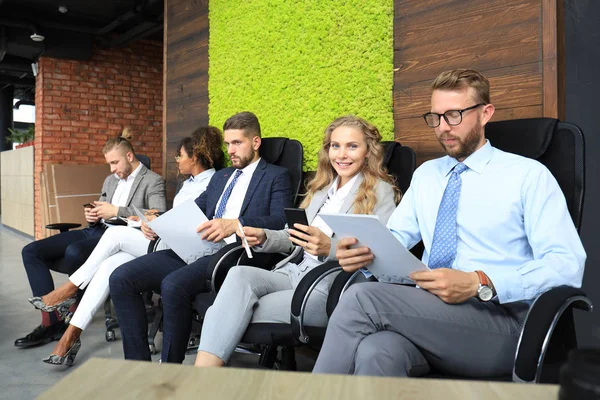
<point>206,144</point>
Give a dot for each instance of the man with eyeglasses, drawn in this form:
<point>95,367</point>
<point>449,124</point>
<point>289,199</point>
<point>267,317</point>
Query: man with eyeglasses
<point>497,233</point>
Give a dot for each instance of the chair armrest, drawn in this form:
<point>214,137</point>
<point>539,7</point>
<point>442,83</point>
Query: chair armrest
<point>302,293</point>
<point>221,262</point>
<point>234,254</point>
<point>541,320</point>
<point>339,286</point>
<point>152,245</point>
<point>63,226</point>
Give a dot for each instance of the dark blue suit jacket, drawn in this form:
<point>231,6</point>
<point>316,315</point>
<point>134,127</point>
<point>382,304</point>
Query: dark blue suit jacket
<point>269,192</point>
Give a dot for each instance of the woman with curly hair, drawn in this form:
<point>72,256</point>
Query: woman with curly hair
<point>350,179</point>
<point>197,158</point>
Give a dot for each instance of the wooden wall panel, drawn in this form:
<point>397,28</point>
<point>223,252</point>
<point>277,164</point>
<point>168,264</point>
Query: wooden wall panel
<point>186,77</point>
<point>16,196</point>
<point>509,41</point>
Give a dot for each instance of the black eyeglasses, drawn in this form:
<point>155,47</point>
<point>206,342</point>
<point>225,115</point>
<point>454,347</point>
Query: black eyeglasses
<point>452,117</point>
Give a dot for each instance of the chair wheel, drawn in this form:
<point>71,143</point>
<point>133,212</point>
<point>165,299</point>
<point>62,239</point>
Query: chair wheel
<point>153,349</point>
<point>110,336</point>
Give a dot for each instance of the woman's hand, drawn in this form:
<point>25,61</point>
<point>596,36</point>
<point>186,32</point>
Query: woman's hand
<point>312,239</point>
<point>151,214</point>
<point>254,236</point>
<point>148,232</point>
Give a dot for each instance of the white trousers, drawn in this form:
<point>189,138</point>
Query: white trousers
<point>118,245</point>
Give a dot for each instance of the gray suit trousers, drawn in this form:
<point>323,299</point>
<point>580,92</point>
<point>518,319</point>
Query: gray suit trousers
<point>393,330</point>
<point>254,295</point>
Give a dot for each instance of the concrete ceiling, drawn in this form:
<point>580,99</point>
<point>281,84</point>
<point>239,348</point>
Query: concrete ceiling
<point>71,34</point>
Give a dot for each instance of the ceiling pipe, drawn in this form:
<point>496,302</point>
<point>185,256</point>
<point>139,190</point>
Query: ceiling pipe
<point>126,17</point>
<point>23,103</point>
<point>3,41</point>
<point>10,80</point>
<point>111,26</point>
<point>141,31</point>
<point>16,66</point>
<point>35,30</point>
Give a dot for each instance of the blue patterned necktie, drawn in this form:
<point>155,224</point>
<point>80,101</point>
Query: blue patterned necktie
<point>443,248</point>
<point>226,194</point>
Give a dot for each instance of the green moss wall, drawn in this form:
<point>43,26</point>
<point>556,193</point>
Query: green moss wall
<point>300,64</point>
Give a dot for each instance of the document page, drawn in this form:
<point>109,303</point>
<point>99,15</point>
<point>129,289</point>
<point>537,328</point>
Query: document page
<point>177,228</point>
<point>392,263</point>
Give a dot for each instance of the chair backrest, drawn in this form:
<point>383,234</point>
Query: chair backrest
<point>558,145</point>
<point>400,162</point>
<point>144,160</point>
<point>286,153</point>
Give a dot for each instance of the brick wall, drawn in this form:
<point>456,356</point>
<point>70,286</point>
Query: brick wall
<point>79,105</point>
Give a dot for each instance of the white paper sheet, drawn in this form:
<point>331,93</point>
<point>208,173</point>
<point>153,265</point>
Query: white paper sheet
<point>392,263</point>
<point>140,214</point>
<point>177,228</point>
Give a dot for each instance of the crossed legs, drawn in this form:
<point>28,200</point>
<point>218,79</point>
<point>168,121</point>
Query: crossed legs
<point>394,330</point>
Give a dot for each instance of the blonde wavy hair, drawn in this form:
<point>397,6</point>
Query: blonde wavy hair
<point>372,170</point>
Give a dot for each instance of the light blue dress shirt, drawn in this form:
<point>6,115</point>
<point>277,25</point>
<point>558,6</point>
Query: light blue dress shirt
<point>193,187</point>
<point>512,222</point>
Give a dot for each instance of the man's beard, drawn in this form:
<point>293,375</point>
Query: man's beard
<point>464,148</point>
<point>243,162</point>
<point>128,171</point>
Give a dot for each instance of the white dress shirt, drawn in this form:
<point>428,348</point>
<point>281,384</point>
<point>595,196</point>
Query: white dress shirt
<point>335,198</point>
<point>236,199</point>
<point>121,194</point>
<point>193,187</point>
<point>512,222</point>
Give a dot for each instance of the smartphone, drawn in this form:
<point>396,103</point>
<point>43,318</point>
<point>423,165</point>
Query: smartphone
<point>88,205</point>
<point>295,216</point>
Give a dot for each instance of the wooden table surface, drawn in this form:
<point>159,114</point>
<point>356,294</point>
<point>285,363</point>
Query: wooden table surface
<point>101,378</point>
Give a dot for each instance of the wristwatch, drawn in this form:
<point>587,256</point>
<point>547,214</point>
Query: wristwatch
<point>485,292</point>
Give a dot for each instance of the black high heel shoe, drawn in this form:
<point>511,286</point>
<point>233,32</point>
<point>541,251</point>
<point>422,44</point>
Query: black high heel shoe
<point>68,359</point>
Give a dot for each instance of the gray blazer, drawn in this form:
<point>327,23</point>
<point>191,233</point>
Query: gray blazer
<point>147,191</point>
<point>278,242</point>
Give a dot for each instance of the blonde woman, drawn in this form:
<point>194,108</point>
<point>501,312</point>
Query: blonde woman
<point>198,156</point>
<point>350,178</point>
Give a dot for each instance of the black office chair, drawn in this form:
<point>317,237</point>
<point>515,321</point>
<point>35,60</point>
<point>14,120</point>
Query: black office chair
<point>287,153</point>
<point>549,331</point>
<point>273,338</point>
<point>283,152</point>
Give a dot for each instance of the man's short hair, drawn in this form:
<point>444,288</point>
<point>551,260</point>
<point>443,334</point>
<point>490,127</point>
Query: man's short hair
<point>121,142</point>
<point>245,121</point>
<point>458,79</point>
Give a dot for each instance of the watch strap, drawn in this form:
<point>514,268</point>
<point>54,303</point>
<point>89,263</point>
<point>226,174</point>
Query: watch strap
<point>483,279</point>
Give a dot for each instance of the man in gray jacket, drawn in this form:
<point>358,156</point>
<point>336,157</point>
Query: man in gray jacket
<point>130,184</point>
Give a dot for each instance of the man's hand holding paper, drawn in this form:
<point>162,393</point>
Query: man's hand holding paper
<point>179,230</point>
<point>217,229</point>
<point>352,259</point>
<point>366,242</point>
